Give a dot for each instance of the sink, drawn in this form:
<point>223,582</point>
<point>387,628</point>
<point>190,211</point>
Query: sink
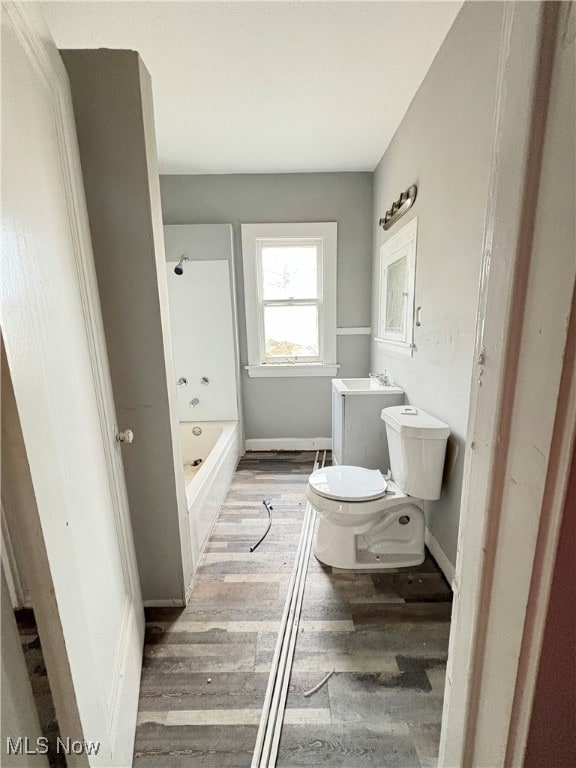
<point>362,386</point>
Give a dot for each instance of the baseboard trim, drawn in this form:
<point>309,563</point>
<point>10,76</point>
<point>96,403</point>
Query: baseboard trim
<point>189,588</point>
<point>289,444</point>
<point>441,557</point>
<point>175,603</point>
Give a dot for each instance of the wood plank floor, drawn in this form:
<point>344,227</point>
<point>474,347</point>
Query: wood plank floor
<point>205,672</point>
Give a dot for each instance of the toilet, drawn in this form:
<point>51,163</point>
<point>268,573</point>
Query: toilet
<point>368,520</point>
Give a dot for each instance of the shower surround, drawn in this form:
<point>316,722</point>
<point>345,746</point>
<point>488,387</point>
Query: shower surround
<point>201,292</point>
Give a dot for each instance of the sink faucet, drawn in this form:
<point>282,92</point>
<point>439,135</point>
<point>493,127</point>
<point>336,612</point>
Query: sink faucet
<point>382,378</point>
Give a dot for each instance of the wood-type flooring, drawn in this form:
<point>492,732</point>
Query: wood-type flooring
<point>383,635</point>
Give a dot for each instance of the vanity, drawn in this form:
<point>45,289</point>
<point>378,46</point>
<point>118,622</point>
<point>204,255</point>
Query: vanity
<point>358,432</point>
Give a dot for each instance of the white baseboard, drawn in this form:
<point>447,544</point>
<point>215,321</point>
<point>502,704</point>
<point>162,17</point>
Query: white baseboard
<point>289,444</point>
<point>163,603</point>
<point>441,557</point>
<point>189,588</point>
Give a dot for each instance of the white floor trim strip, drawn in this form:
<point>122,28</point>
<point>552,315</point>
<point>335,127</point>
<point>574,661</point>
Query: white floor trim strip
<point>269,731</point>
<point>268,737</point>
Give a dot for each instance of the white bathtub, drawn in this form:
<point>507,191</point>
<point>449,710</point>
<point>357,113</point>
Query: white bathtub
<point>218,448</point>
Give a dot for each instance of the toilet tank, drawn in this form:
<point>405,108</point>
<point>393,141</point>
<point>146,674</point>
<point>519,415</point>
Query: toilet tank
<point>417,445</point>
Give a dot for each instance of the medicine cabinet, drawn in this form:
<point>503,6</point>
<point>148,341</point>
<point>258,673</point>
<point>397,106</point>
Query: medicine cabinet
<point>397,279</point>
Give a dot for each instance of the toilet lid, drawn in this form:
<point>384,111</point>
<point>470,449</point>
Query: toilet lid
<point>345,483</point>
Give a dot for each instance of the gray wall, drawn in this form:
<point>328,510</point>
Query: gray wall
<point>293,407</point>
<point>112,99</point>
<point>444,146</point>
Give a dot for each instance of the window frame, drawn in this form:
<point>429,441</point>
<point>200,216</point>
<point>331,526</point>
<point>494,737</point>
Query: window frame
<point>316,301</point>
<point>404,240</point>
<point>254,237</point>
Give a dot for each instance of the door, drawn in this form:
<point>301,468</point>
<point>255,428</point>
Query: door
<point>52,330</point>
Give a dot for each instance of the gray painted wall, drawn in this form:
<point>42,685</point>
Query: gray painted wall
<point>294,407</point>
<point>112,100</point>
<point>444,145</point>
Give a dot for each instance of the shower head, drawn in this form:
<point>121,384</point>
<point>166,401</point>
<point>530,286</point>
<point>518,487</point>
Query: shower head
<point>179,268</point>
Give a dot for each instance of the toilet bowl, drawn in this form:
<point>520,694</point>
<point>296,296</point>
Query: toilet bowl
<point>369,521</point>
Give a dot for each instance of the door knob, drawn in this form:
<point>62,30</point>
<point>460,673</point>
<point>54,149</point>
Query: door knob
<point>125,437</point>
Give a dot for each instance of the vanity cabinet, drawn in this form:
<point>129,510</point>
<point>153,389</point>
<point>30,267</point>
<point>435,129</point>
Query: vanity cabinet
<point>358,432</point>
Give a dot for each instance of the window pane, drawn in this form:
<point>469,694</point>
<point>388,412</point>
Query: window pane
<point>289,271</point>
<point>396,296</point>
<point>291,331</point>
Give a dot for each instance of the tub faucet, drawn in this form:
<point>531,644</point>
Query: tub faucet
<point>382,378</point>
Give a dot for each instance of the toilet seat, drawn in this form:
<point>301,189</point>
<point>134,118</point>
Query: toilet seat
<point>352,496</point>
<point>356,510</point>
<point>348,483</point>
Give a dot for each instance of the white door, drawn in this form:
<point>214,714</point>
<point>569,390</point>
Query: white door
<point>54,342</point>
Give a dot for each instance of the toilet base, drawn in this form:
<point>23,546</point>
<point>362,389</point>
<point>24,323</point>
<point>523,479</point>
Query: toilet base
<point>368,561</point>
<point>387,543</point>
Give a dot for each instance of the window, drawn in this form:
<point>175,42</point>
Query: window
<point>290,298</point>
<point>397,281</point>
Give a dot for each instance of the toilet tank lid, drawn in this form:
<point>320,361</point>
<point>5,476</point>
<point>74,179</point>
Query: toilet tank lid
<point>414,422</point>
<point>347,483</point>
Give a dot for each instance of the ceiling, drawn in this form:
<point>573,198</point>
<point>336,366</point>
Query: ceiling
<point>264,87</point>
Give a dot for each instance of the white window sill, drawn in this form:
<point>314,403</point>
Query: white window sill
<point>398,347</point>
<point>295,369</point>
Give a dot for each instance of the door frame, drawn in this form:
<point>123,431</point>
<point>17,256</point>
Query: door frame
<point>32,33</point>
<point>19,595</point>
<point>503,570</point>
